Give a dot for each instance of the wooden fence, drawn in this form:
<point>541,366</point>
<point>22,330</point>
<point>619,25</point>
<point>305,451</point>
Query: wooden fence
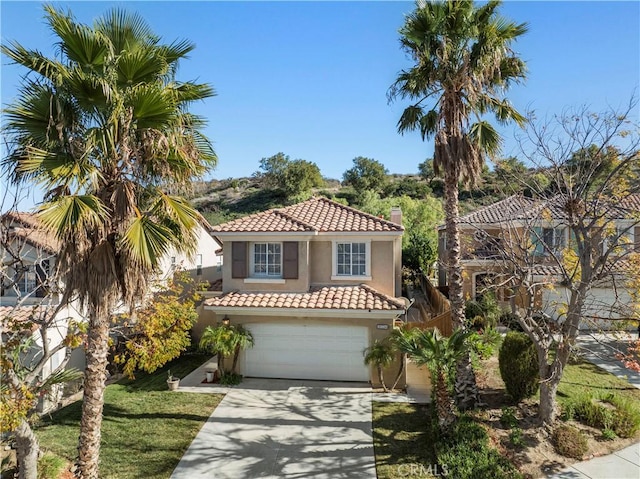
<point>440,314</point>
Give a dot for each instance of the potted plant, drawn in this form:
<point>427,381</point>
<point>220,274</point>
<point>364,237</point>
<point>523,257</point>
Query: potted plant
<point>172,381</point>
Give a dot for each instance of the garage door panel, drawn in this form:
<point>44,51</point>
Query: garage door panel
<point>298,351</point>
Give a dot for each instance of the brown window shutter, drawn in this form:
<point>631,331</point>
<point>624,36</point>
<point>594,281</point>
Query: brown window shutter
<point>239,259</point>
<point>290,260</point>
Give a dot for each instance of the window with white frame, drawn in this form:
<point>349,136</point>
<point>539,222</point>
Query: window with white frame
<point>547,240</point>
<point>26,280</point>
<point>351,259</point>
<point>621,238</point>
<point>266,260</point>
<point>199,265</point>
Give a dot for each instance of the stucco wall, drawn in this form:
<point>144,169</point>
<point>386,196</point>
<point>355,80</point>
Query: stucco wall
<point>206,247</point>
<point>383,268</point>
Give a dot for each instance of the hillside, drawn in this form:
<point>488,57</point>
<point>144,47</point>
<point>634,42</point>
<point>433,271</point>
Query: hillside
<point>224,200</point>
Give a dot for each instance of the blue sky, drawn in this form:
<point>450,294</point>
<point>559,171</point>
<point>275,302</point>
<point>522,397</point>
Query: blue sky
<point>310,78</point>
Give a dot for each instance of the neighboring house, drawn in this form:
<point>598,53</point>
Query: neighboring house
<point>494,236</point>
<point>205,265</point>
<point>29,255</point>
<point>316,283</point>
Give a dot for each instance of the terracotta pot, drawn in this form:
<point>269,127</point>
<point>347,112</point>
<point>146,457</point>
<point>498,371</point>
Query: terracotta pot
<point>173,383</point>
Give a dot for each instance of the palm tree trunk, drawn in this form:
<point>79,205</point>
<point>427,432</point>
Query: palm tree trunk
<point>27,450</point>
<point>220,363</point>
<point>93,399</point>
<point>381,379</point>
<point>403,360</point>
<point>444,404</point>
<point>467,395</point>
<point>236,355</point>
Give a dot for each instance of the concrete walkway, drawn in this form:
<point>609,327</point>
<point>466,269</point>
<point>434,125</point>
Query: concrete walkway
<point>284,429</point>
<point>600,349</point>
<point>624,464</point>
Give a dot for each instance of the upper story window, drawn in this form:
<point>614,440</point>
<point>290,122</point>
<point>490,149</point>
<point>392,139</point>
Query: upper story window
<point>199,265</point>
<point>621,239</point>
<point>548,240</point>
<point>352,259</point>
<point>266,259</point>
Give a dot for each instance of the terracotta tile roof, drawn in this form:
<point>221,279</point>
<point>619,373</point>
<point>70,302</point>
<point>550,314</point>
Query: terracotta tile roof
<point>360,297</point>
<point>20,314</point>
<point>508,209</point>
<point>314,215</point>
<point>215,285</point>
<point>27,226</point>
<point>519,207</point>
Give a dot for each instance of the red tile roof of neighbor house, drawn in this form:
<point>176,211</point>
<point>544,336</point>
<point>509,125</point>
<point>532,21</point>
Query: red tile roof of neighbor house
<point>314,215</point>
<point>359,297</point>
<point>28,227</point>
<point>20,314</point>
<point>519,207</point>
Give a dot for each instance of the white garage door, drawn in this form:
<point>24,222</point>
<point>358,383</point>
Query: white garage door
<point>299,351</point>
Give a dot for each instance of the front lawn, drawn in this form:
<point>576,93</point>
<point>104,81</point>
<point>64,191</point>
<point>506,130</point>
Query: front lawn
<point>146,428</point>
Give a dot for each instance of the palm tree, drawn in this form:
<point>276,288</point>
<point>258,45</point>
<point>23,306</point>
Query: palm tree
<point>244,340</point>
<point>440,354</point>
<point>219,340</point>
<point>105,129</point>
<point>381,355</point>
<point>226,341</point>
<point>463,66</point>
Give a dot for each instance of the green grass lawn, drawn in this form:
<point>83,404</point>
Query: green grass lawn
<point>146,428</point>
<point>584,377</point>
<point>402,439</point>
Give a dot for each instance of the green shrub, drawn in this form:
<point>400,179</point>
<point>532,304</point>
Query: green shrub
<point>519,365</point>
<point>510,320</point>
<point>570,442</point>
<point>483,343</point>
<point>50,466</point>
<point>608,435</point>
<point>466,453</point>
<point>608,411</point>
<point>472,309</point>
<point>230,379</point>
<point>508,418</point>
<point>490,308</point>
<point>516,438</point>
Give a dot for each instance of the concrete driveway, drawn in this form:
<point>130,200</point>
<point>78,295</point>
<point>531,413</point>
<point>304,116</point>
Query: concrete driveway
<point>285,429</point>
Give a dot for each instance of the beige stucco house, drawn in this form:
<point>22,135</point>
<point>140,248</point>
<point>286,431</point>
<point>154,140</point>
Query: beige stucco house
<point>316,283</point>
<point>534,234</point>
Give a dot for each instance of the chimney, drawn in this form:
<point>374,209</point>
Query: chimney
<point>396,215</point>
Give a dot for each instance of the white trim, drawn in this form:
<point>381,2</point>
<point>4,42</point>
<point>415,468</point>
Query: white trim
<point>347,277</point>
<point>308,312</point>
<point>264,235</point>
<point>265,280</point>
<point>378,235</point>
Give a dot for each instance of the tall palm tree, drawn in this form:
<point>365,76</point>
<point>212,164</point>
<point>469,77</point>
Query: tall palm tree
<point>381,355</point>
<point>440,354</point>
<point>105,129</point>
<point>463,66</point>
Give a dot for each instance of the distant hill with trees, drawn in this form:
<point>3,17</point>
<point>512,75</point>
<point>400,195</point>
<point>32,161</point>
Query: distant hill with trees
<point>368,186</point>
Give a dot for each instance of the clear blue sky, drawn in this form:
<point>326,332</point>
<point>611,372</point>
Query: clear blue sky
<point>310,78</point>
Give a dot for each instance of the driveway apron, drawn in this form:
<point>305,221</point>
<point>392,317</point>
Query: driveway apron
<point>303,431</point>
